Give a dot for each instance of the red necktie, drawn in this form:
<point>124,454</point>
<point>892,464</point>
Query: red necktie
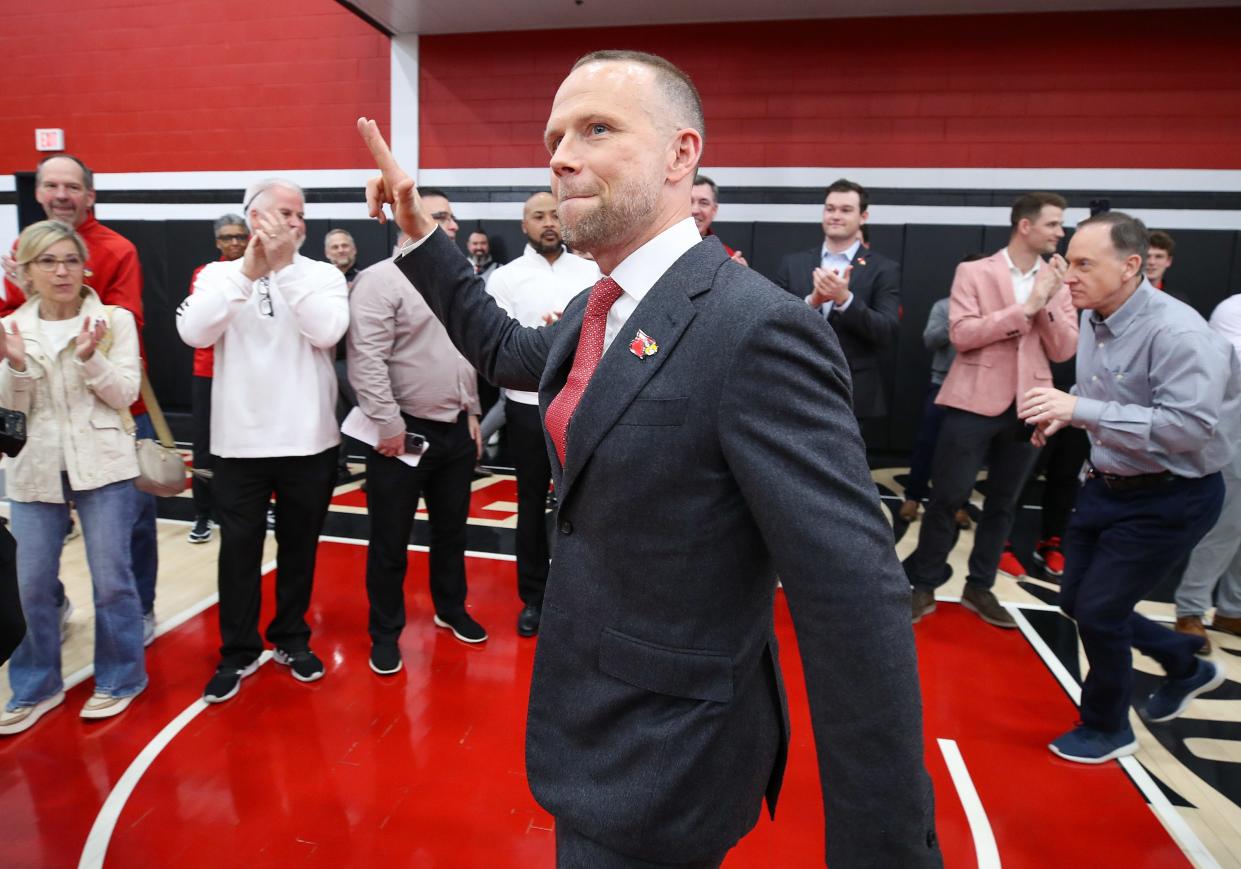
<point>589,351</point>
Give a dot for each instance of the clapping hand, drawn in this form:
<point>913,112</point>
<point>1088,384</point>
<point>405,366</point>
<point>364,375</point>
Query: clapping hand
<point>13,348</point>
<point>1050,281</point>
<point>830,286</point>
<point>90,336</point>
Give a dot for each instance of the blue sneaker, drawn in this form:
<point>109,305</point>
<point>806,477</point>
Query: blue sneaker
<point>1174,695</point>
<point>1083,744</point>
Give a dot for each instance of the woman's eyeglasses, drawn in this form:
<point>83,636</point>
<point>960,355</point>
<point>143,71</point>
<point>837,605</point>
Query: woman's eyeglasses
<point>49,263</point>
<point>238,238</point>
<point>264,290</point>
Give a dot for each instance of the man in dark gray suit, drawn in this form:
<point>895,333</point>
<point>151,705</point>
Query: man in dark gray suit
<point>856,289</point>
<point>699,425</point>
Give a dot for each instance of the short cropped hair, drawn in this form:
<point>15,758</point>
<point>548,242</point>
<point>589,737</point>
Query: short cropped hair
<point>432,191</point>
<point>715,191</point>
<point>1128,234</point>
<point>37,238</point>
<point>88,177</point>
<point>677,87</point>
<point>346,233</point>
<point>844,185</point>
<point>1030,205</point>
<point>227,220</point>
<point>1163,241</point>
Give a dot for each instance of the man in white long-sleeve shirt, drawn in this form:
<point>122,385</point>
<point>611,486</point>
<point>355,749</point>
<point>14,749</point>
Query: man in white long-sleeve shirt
<point>274,317</point>
<point>533,289</point>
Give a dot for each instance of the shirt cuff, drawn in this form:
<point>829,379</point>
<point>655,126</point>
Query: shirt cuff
<point>844,306</point>
<point>1087,412</point>
<point>413,245</point>
<point>390,428</point>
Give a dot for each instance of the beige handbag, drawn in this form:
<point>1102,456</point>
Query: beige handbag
<point>161,470</point>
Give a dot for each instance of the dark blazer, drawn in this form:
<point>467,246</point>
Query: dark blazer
<point>657,719</point>
<point>870,322</point>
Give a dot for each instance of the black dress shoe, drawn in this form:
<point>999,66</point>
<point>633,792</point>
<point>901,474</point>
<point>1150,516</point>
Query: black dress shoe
<point>528,621</point>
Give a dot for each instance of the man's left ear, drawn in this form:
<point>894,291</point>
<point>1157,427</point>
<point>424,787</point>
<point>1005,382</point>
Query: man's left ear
<point>1133,266</point>
<point>687,151</point>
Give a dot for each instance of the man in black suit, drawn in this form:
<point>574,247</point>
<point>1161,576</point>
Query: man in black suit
<point>858,290</point>
<point>688,405</point>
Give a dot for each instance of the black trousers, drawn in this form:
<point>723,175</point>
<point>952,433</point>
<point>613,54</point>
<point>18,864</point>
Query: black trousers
<point>528,450</point>
<point>967,441</point>
<point>575,851</point>
<point>12,621</point>
<point>201,397</point>
<point>393,488</point>
<point>346,400</point>
<point>1062,461</point>
<point>1120,545</point>
<point>243,489</point>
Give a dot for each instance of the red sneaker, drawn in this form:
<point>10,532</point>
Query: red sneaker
<point>1048,554</point>
<point>1011,566</point>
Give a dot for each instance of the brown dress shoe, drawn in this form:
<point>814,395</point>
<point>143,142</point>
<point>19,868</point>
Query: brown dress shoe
<point>909,510</point>
<point>1227,624</point>
<point>984,604</point>
<point>1192,625</point>
<point>963,519</point>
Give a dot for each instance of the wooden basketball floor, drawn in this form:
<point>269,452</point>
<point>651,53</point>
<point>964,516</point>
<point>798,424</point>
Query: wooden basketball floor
<point>426,769</point>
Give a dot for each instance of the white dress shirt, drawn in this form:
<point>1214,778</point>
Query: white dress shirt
<point>836,262</point>
<point>530,287</point>
<point>1226,319</point>
<point>1023,282</point>
<point>639,271</point>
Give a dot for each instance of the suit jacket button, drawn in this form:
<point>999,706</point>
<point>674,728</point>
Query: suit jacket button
<point>566,527</point>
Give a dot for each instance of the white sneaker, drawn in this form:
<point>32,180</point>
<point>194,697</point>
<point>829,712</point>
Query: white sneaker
<point>105,705</point>
<point>148,628</point>
<point>24,717</point>
<point>66,612</point>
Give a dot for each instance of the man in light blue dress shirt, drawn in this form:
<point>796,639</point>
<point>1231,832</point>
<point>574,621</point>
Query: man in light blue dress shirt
<point>1159,394</point>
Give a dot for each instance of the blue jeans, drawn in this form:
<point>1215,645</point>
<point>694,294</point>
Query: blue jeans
<point>144,545</point>
<point>107,524</point>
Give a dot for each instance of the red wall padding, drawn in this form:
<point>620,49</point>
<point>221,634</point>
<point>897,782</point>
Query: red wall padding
<point>145,85</point>
<point>1115,89</point>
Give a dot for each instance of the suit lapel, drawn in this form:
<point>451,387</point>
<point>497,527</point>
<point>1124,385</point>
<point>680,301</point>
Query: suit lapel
<point>664,314</point>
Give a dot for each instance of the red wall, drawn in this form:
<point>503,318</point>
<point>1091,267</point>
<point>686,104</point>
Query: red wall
<point>1118,89</point>
<point>185,85</point>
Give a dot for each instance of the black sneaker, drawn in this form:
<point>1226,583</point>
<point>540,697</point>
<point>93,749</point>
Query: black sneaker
<point>227,681</point>
<point>463,627</point>
<point>201,532</point>
<point>304,665</point>
<point>385,659</point>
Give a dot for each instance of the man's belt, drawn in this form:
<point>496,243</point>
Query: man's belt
<point>1118,483</point>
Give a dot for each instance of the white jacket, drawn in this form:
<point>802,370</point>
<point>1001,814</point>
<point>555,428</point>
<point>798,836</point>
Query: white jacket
<point>73,409</point>
<point>274,390</point>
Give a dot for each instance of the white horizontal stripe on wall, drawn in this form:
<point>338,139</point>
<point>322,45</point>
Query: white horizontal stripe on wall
<point>310,178</point>
<point>943,215</point>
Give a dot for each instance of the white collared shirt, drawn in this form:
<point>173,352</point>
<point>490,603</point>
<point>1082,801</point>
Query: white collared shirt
<point>639,271</point>
<point>530,287</point>
<point>1023,284</point>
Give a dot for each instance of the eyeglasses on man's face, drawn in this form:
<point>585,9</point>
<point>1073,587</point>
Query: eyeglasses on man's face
<point>49,263</point>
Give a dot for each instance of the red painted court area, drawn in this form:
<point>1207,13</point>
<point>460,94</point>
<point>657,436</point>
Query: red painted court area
<point>426,768</point>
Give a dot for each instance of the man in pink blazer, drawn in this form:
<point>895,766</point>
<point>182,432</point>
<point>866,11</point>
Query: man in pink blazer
<point>1007,317</point>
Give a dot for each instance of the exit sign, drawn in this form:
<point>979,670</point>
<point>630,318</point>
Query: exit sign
<point>49,140</point>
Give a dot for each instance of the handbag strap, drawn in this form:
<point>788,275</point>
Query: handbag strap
<point>162,433</point>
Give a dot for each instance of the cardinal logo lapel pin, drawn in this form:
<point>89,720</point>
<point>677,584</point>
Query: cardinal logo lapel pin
<point>643,346</point>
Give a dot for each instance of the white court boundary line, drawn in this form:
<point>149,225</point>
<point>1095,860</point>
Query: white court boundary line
<point>980,827</point>
<point>96,847</point>
<point>100,836</point>
<point>1176,825</point>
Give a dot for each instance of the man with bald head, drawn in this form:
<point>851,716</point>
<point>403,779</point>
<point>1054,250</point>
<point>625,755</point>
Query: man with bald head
<point>700,433</point>
<point>534,289</point>
<point>274,317</point>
